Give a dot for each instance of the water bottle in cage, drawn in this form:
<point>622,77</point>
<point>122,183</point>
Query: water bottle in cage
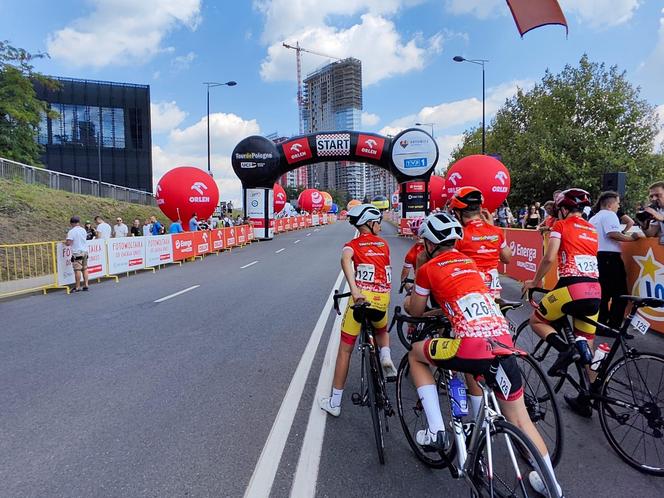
<point>600,353</point>
<point>459,398</point>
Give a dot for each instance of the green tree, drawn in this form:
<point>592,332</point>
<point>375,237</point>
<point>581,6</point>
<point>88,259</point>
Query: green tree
<point>20,109</point>
<point>570,129</point>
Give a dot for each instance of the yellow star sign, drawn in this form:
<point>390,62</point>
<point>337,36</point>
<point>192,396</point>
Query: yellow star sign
<point>649,265</point>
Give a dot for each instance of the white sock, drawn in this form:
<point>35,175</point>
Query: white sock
<point>429,396</point>
<point>335,400</point>
<point>547,462</point>
<point>385,352</point>
<point>475,404</point>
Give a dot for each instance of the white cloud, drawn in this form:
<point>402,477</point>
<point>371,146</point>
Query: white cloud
<point>182,62</point>
<point>446,145</point>
<point>375,41</point>
<point>369,119</point>
<point>478,8</point>
<point>121,31</point>
<point>166,116</point>
<point>653,66</point>
<point>659,139</point>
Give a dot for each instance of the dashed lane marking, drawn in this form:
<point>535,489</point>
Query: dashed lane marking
<point>297,241</point>
<point>280,250</point>
<point>248,265</point>
<point>171,296</point>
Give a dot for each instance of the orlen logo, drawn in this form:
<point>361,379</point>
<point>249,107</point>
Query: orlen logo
<point>281,196</point>
<point>454,177</point>
<point>199,187</point>
<point>501,176</point>
<point>369,146</point>
<point>317,198</point>
<point>297,150</point>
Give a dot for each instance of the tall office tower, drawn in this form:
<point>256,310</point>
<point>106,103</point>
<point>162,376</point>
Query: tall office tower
<point>379,182</point>
<point>333,102</point>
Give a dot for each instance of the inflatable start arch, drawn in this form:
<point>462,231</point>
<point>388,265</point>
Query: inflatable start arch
<point>410,156</point>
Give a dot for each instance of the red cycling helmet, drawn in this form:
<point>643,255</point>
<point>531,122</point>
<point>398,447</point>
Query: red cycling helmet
<point>466,196</point>
<point>573,198</point>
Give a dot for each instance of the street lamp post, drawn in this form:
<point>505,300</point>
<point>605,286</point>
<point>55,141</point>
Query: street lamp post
<point>209,84</point>
<point>479,62</point>
<point>427,124</point>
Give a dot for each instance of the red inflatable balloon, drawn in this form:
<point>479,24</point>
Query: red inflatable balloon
<point>353,203</point>
<point>328,201</point>
<point>279,198</point>
<point>484,172</point>
<point>311,200</point>
<point>186,190</point>
<point>437,193</point>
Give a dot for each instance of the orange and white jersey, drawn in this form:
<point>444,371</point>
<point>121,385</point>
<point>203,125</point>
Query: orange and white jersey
<point>410,260</point>
<point>483,242</point>
<point>457,285</point>
<point>577,256</point>
<point>371,257</point>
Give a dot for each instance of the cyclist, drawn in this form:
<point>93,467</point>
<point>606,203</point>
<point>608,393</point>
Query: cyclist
<point>573,243</point>
<point>456,283</point>
<point>410,261</point>
<point>365,262</point>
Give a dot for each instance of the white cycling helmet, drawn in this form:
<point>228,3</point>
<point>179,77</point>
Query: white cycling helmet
<point>362,214</point>
<point>440,227</point>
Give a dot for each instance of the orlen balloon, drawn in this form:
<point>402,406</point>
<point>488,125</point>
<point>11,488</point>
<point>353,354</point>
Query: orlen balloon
<point>279,198</point>
<point>437,193</point>
<point>186,190</point>
<point>327,204</point>
<point>484,172</point>
<point>311,200</point>
<point>352,203</point>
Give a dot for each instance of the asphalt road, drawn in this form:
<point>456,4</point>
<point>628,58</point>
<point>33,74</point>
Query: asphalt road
<point>108,393</point>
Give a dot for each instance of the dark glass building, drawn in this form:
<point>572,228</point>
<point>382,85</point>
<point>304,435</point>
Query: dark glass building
<point>101,126</point>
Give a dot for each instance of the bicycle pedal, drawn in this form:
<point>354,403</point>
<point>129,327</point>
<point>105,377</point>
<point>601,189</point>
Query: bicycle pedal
<point>356,398</point>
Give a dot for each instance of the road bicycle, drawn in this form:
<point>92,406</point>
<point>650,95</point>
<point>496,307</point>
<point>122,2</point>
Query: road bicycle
<point>538,394</point>
<point>628,390</point>
<point>492,455</point>
<point>373,388</point>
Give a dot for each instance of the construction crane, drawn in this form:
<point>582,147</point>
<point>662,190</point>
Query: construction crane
<point>298,56</point>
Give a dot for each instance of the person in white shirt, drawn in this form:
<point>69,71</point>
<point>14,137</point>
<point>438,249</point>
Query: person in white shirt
<point>120,229</point>
<point>76,239</point>
<point>612,275</point>
<point>103,228</point>
<point>147,228</point>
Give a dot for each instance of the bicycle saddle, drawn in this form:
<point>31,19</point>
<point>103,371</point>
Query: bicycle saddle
<point>648,302</point>
<point>505,304</point>
<point>500,349</point>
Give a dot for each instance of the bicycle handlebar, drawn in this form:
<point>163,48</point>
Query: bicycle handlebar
<point>399,319</point>
<point>532,291</point>
<point>404,282</point>
<point>338,296</point>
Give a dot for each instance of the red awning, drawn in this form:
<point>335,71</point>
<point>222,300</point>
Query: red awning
<point>531,14</point>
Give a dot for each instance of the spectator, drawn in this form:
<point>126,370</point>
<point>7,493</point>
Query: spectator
<point>120,229</point>
<point>136,230</point>
<point>655,212</point>
<point>193,223</point>
<point>523,212</point>
<point>612,275</point>
<point>227,221</point>
<point>176,227</point>
<point>76,239</point>
<point>540,210</point>
<point>155,226</point>
<point>547,223</point>
<point>203,225</point>
<point>504,215</point>
<point>103,229</point>
<point>90,231</point>
<point>533,217</point>
<point>147,227</point>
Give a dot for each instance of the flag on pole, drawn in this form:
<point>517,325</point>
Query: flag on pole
<point>531,14</point>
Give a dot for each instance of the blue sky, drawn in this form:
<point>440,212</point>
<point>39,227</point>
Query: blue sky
<point>406,47</point>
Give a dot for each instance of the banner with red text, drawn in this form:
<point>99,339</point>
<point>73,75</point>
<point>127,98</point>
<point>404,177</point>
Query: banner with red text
<point>527,250</point>
<point>125,254</point>
<point>158,250</point>
<point>183,246</point>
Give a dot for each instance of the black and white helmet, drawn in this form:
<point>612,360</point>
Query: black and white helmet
<point>364,213</point>
<point>441,227</point>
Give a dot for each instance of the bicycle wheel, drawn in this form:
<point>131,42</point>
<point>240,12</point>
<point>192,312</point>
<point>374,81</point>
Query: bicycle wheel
<point>542,406</point>
<point>413,418</point>
<point>510,476</point>
<point>635,431</point>
<point>370,366</point>
<point>539,350</point>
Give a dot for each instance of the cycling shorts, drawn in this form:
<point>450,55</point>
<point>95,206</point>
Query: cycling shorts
<point>574,296</point>
<point>350,326</point>
<point>473,355</point>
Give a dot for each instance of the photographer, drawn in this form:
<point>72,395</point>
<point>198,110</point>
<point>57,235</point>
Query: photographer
<point>652,217</point>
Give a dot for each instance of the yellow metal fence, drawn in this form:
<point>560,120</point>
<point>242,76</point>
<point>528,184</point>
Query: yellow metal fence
<point>27,268</point>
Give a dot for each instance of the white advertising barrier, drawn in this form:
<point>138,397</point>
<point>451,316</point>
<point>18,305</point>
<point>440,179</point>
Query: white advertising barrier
<point>158,250</point>
<point>315,220</point>
<point>260,210</point>
<point>97,266</point>
<point>125,254</point>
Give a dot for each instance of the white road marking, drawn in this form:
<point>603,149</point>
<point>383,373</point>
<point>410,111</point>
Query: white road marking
<point>309,234</point>
<point>166,298</point>
<point>247,266</point>
<point>282,249</point>
<point>298,240</point>
<point>306,474</point>
<point>266,468</point>
<point>316,229</point>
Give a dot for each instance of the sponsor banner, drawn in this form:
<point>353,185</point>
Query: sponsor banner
<point>303,221</point>
<point>413,187</point>
<point>279,225</point>
<point>527,247</point>
<point>97,264</point>
<point>288,224</point>
<point>250,230</point>
<point>323,219</point>
<point>125,254</point>
<point>414,152</point>
<point>183,245</point>
<point>241,233</point>
<point>314,220</point>
<point>217,239</point>
<point>369,146</point>
<point>158,250</point>
<point>644,262</point>
<point>201,242</point>
<point>404,227</point>
<point>297,150</point>
<point>231,239</point>
<point>65,268</point>
<point>255,203</point>
<point>333,144</point>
